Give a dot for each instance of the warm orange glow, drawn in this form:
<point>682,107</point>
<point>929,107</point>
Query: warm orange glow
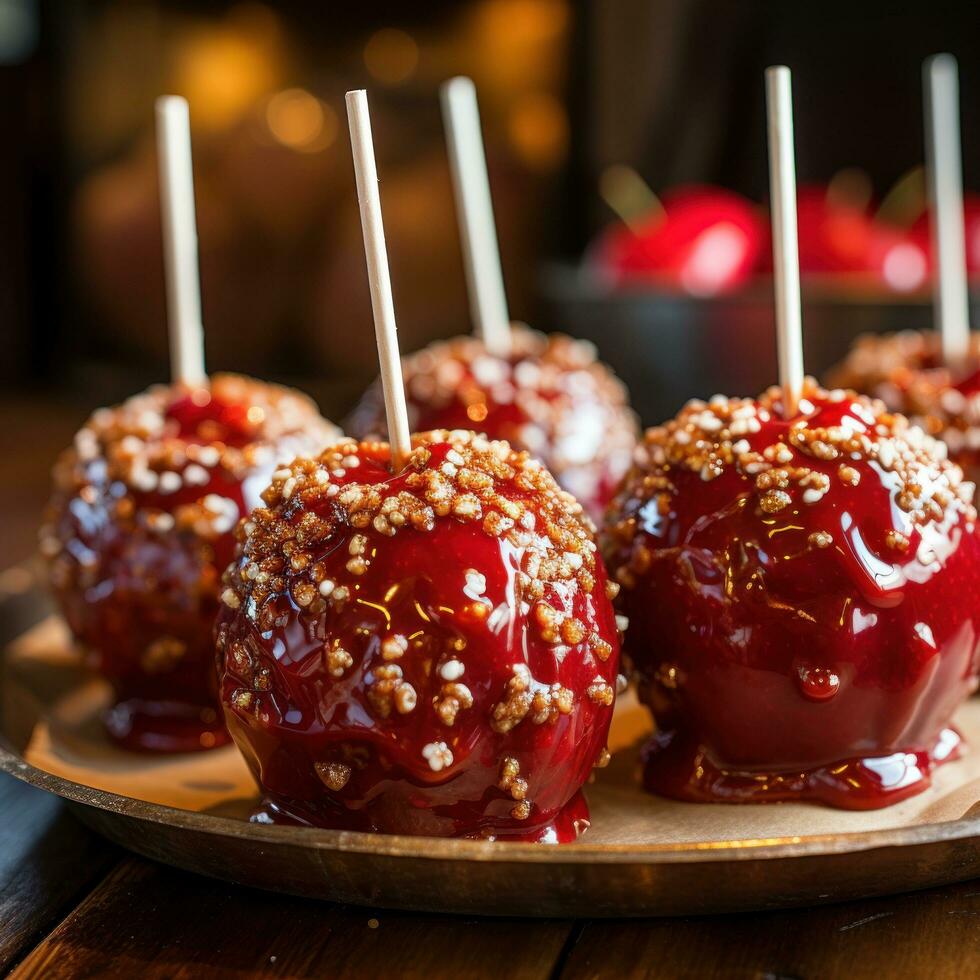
<point>476,413</point>
<point>538,130</point>
<point>515,43</point>
<point>224,68</point>
<point>391,56</point>
<point>301,121</point>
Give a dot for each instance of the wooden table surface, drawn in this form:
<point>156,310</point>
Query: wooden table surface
<point>72,905</point>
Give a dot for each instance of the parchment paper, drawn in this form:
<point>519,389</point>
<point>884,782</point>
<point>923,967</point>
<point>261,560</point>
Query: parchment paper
<point>51,707</point>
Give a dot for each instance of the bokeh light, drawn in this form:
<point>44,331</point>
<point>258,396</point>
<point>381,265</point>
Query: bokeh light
<point>538,130</point>
<point>391,56</point>
<point>301,121</point>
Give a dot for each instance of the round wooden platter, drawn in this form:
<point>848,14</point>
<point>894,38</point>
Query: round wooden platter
<point>642,856</point>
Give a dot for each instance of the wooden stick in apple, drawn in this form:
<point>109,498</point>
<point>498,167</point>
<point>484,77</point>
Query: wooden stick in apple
<point>180,241</point>
<point>474,209</point>
<point>945,183</point>
<point>785,249</point>
<point>379,279</point>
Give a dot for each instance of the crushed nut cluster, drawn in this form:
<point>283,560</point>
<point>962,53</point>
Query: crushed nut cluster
<point>318,506</point>
<point>801,465</point>
<point>477,481</point>
<point>135,446</point>
<point>905,370</point>
<point>513,783</point>
<point>577,412</point>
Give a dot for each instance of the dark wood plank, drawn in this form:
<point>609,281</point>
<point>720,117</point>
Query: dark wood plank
<point>933,934</point>
<point>149,921</point>
<point>48,862</point>
<point>33,430</point>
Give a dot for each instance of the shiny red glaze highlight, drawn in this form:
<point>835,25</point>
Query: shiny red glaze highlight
<point>838,238</point>
<point>205,419</point>
<point>705,241</point>
<point>416,586</point>
<point>157,591</point>
<point>737,625</point>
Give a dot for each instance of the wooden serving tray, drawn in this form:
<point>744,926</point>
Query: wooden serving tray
<point>642,856</point>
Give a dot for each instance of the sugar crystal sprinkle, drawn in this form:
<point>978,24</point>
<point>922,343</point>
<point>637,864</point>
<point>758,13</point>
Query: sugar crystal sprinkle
<point>137,448</point>
<point>805,465</point>
<point>490,489</point>
<point>575,409</point>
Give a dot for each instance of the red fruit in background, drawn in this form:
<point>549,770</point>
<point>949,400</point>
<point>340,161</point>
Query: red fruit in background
<point>803,599</point>
<point>704,241</point>
<point>140,528</point>
<point>971,223</point>
<point>432,651</point>
<point>839,238</point>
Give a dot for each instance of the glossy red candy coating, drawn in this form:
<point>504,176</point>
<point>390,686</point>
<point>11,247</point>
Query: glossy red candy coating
<point>140,528</point>
<point>549,396</point>
<point>842,239</point>
<point>418,691</point>
<point>802,624</point>
<point>906,371</point>
<point>704,241</point>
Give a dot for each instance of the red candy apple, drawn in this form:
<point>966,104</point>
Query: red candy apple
<point>971,229</point>
<point>842,239</point>
<point>803,597</point>
<point>703,240</point>
<point>430,651</point>
<point>549,395</point>
<point>139,529</point>
<point>906,371</point>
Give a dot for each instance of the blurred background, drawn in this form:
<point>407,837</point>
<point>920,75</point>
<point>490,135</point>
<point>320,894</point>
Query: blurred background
<point>569,92</point>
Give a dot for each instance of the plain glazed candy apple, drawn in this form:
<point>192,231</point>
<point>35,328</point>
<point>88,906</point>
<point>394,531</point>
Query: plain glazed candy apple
<point>803,597</point>
<point>427,652</point>
<point>549,396</point>
<point>846,244</point>
<point>705,241</point>
<point>140,528</point>
<point>906,371</point>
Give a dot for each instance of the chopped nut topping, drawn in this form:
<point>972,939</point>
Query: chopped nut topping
<point>438,755</point>
<point>334,775</point>
<point>137,448</point>
<point>556,539</point>
<point>338,661</point>
<point>897,540</point>
<point>552,380</point>
<point>451,700</point>
<point>601,692</point>
<point>393,647</point>
<point>801,464</point>
<point>906,371</point>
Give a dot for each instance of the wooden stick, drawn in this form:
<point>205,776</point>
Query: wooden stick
<point>474,210</point>
<point>945,182</point>
<point>379,279</point>
<point>180,241</point>
<point>785,248</point>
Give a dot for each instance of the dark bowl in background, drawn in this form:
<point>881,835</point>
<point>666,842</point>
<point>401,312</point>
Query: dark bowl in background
<point>669,347</point>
